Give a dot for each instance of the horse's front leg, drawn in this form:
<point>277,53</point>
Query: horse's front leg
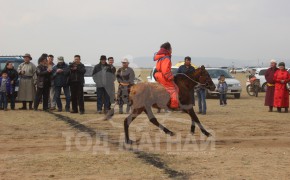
<point>154,121</point>
<point>194,119</point>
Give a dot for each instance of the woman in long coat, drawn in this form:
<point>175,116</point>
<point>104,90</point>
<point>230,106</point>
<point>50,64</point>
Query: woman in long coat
<point>281,96</point>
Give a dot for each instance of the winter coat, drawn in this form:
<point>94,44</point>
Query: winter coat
<point>9,89</point>
<point>13,75</point>
<point>186,70</point>
<point>77,75</point>
<point>60,79</point>
<point>222,87</point>
<point>103,74</point>
<point>43,76</point>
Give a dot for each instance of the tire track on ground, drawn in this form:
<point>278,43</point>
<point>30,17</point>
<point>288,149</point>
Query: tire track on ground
<point>148,158</point>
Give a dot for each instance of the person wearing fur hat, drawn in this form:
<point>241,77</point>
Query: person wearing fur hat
<point>26,91</point>
<point>281,95</point>
<point>269,76</point>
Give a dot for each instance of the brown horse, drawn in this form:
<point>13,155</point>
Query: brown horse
<point>144,96</point>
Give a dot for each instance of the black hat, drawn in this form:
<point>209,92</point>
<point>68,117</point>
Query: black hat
<point>281,64</point>
<point>187,58</point>
<point>103,57</point>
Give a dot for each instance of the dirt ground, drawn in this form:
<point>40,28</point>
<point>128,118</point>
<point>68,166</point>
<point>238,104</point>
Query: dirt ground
<point>247,143</point>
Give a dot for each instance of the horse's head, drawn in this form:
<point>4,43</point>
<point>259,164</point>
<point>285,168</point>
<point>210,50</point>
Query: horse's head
<point>202,76</point>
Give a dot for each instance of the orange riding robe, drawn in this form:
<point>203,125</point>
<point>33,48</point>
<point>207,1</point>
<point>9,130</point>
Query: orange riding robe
<point>165,77</point>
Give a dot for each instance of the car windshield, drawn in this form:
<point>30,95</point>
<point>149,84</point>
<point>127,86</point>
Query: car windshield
<point>89,71</point>
<point>262,72</point>
<point>3,64</point>
<point>216,73</point>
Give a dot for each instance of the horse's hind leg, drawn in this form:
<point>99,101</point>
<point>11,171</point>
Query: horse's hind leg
<point>127,122</point>
<point>194,120</point>
<point>154,121</point>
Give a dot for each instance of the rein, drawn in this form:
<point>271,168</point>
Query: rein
<point>198,83</point>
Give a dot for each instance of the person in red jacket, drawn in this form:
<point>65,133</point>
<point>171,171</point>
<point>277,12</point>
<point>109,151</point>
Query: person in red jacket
<point>163,74</point>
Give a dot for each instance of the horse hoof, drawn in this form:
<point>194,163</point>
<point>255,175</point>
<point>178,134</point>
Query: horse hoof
<point>129,141</point>
<point>171,133</point>
<point>207,134</point>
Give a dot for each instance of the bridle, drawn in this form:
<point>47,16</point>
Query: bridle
<point>198,83</point>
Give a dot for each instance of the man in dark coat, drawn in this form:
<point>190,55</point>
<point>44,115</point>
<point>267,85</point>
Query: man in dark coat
<point>60,76</point>
<point>187,68</point>
<point>43,84</point>
<point>269,75</point>
<point>102,75</point>
<point>13,75</point>
<point>76,82</point>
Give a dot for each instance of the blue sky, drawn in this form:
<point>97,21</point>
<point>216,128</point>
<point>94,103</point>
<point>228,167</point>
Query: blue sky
<point>248,30</point>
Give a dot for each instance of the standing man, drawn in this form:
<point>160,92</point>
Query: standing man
<point>26,92</point>
<point>187,68</point>
<point>201,92</point>
<point>100,76</point>
<point>13,75</point>
<point>125,77</point>
<point>76,82</point>
<point>269,76</point>
<point>111,82</point>
<point>52,101</point>
<point>60,77</point>
<point>43,83</point>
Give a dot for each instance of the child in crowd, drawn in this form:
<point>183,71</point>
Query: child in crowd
<point>5,90</point>
<point>222,89</point>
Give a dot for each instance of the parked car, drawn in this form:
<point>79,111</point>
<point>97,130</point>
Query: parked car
<point>234,85</point>
<point>260,74</point>
<point>238,70</point>
<point>150,78</point>
<point>16,60</point>
<point>90,89</point>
